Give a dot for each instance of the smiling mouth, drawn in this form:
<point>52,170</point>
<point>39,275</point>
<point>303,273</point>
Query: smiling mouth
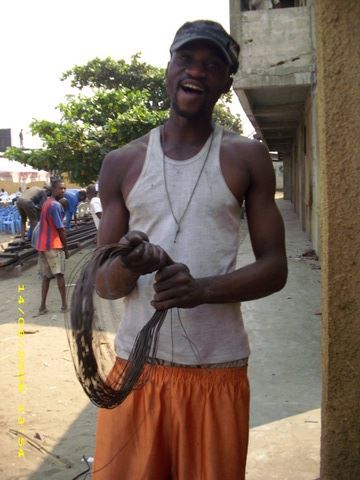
<point>191,88</point>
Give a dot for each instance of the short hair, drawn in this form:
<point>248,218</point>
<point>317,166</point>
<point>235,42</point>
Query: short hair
<point>82,195</point>
<point>91,189</point>
<point>55,181</point>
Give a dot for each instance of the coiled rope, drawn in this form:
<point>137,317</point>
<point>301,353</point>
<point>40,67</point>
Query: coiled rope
<point>84,336</point>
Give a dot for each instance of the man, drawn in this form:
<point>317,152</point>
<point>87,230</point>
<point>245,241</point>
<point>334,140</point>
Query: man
<point>74,197</point>
<point>29,205</point>
<point>181,188</point>
<point>21,138</point>
<point>94,204</point>
<point>3,194</point>
<point>15,196</point>
<point>51,245</point>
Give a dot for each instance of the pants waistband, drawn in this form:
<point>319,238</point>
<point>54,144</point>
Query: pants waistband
<point>232,364</point>
<point>188,373</point>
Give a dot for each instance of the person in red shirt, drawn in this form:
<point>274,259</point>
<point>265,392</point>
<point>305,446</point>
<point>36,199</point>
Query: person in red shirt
<point>51,245</point>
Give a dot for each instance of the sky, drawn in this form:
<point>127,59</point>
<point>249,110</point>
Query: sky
<point>40,39</point>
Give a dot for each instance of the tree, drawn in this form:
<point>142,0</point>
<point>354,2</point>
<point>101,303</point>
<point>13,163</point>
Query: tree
<point>117,102</point>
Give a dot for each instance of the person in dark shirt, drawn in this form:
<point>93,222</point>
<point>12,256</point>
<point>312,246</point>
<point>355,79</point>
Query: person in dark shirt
<point>29,206</point>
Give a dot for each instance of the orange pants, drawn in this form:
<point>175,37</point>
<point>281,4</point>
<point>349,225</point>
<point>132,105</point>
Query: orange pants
<point>184,424</point>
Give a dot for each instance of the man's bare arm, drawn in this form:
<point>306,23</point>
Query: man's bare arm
<point>113,280</point>
<point>62,235</point>
<point>117,277</point>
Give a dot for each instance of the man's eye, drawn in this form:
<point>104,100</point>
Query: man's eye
<point>185,58</point>
<point>213,66</point>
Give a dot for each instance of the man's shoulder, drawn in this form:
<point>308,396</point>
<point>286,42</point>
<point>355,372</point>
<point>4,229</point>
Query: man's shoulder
<point>240,141</point>
<point>31,193</point>
<point>47,203</point>
<point>47,208</point>
<point>52,204</point>
<point>128,152</point>
<point>242,147</point>
<point>95,201</point>
<point>70,193</point>
<point>56,212</point>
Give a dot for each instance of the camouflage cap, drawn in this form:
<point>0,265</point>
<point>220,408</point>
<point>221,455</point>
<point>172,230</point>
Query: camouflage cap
<point>212,32</point>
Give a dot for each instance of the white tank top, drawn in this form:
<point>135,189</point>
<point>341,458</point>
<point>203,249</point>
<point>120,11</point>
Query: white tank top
<point>207,243</point>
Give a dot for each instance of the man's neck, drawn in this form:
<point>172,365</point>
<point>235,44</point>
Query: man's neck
<point>182,138</point>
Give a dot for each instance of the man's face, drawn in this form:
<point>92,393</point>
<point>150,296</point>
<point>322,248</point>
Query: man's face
<point>58,190</point>
<point>197,76</point>
<point>82,195</point>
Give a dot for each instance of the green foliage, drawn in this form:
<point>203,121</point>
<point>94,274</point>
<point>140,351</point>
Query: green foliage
<point>117,103</point>
<point>223,116</point>
<point>112,74</point>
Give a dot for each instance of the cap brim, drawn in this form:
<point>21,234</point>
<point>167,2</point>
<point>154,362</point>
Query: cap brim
<point>180,43</point>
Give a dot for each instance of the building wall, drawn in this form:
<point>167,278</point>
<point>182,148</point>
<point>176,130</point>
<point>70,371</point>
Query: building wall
<point>12,187</point>
<point>314,178</point>
<point>298,174</point>
<point>301,173</point>
<point>308,191</point>
<point>338,106</point>
<point>287,176</point>
<point>276,46</point>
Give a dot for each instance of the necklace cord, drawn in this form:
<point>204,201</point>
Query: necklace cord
<point>178,221</point>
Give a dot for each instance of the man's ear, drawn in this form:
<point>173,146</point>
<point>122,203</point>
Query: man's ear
<point>228,85</point>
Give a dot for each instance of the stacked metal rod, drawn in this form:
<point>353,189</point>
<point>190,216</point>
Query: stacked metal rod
<point>20,253</point>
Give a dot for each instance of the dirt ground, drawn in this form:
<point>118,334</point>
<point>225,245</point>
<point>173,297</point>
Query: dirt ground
<point>47,424</point>
<point>46,428</point>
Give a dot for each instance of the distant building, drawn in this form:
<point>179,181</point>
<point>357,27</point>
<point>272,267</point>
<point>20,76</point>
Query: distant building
<point>5,138</point>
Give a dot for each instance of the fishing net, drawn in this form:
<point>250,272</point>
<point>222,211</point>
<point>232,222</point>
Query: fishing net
<point>91,351</point>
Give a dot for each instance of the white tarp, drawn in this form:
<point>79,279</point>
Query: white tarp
<point>12,171</point>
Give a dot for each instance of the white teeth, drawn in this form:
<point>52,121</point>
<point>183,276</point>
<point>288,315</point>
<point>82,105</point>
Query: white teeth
<point>193,87</point>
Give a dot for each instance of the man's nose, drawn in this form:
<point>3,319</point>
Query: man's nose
<point>196,69</point>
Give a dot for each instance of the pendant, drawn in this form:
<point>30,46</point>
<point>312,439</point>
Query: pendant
<point>177,233</point>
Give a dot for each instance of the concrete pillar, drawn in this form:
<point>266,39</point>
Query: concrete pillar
<point>287,176</point>
<point>338,105</point>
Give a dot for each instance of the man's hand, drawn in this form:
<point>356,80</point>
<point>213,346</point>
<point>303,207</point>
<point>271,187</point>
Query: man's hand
<point>144,257</point>
<point>175,287</point>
